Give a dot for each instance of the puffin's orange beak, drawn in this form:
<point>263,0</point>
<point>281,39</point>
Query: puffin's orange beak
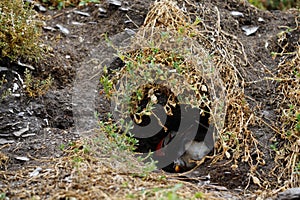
<point>177,168</point>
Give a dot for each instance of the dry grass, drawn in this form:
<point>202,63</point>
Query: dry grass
<point>235,142</point>
<point>102,173</point>
<point>226,54</point>
<point>19,32</point>
<point>287,158</point>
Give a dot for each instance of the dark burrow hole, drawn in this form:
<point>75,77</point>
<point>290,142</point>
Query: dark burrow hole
<point>167,121</point>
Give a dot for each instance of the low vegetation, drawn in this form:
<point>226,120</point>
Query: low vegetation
<point>19,31</point>
<point>35,87</point>
<point>275,4</point>
<point>60,4</point>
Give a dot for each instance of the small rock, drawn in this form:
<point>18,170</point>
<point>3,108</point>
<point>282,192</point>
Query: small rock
<point>203,88</point>
<point>15,87</point>
<point>261,19</point>
<point>218,188</point>
<point>292,193</point>
<point>22,158</point>
<point>115,2</point>
<point>68,179</point>
<point>128,21</point>
<point>21,131</point>
<point>172,71</point>
<point>16,95</point>
<point>82,13</point>
<point>249,30</point>
<point>236,14</point>
<point>266,114</point>
<point>63,29</point>
<point>130,31</point>
<point>28,135</point>
<point>124,9</point>
<point>3,69</point>
<point>102,10</point>
<point>21,114</point>
<point>5,135</point>
<point>77,23</point>
<point>49,28</point>
<point>47,122</point>
<point>4,141</point>
<point>40,7</point>
<point>35,172</point>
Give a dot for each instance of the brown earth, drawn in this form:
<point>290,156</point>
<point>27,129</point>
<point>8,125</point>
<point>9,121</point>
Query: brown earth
<point>52,120</point>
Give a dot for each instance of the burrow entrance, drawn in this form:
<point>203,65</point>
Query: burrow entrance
<point>158,117</point>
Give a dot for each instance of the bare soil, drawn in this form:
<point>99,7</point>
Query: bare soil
<point>50,118</point>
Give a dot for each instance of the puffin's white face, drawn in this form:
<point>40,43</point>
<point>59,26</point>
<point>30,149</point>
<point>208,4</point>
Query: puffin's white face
<point>195,151</point>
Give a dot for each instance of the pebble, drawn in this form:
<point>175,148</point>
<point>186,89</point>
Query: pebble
<point>15,95</point>
<point>21,131</point>
<point>21,114</point>
<point>249,30</point>
<point>130,31</point>
<point>4,141</point>
<point>128,21</point>
<point>77,23</point>
<point>292,193</point>
<point>28,135</point>
<point>218,188</point>
<point>115,2</point>
<point>3,69</point>
<point>15,87</point>
<point>49,28</point>
<point>124,9</point>
<point>82,13</point>
<point>22,158</point>
<point>102,10</point>
<point>63,29</point>
<point>35,172</point>
<point>236,14</point>
<point>40,7</point>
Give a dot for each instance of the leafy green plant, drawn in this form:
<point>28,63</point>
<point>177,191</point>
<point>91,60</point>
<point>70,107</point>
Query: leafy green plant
<point>274,146</point>
<point>4,92</point>
<point>62,147</point>
<point>36,87</point>
<point>275,4</point>
<point>19,31</point>
<point>60,4</point>
<point>297,168</point>
<point>86,2</point>
<point>121,140</point>
<point>297,125</point>
<point>3,196</point>
<point>107,84</point>
<point>169,193</point>
<point>199,195</point>
<point>2,80</point>
<point>257,3</point>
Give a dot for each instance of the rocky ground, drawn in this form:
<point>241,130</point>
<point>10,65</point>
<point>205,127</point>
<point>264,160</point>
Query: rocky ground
<point>34,130</point>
